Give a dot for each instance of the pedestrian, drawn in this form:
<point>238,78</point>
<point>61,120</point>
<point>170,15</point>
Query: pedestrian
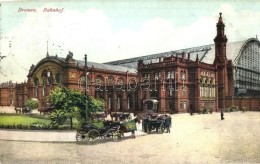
<point>191,113</point>
<point>191,110</point>
<point>168,123</point>
<point>222,114</point>
<point>133,134</point>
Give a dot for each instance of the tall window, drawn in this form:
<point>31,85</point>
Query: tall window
<point>184,105</point>
<point>170,75</point>
<point>58,78</point>
<point>110,103</point>
<point>129,102</point>
<point>36,83</point>
<point>157,75</point>
<point>110,81</point>
<point>44,81</point>
<point>119,103</point>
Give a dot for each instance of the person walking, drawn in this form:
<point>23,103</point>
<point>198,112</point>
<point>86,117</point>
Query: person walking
<point>191,110</point>
<point>222,114</point>
<point>168,121</point>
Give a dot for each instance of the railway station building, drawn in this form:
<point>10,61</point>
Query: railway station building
<point>215,76</point>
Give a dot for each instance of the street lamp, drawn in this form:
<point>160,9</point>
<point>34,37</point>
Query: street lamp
<point>86,84</point>
<point>45,88</point>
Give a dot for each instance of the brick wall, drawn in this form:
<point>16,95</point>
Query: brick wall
<point>252,104</point>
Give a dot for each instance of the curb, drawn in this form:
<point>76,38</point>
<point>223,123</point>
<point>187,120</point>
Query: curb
<point>45,136</point>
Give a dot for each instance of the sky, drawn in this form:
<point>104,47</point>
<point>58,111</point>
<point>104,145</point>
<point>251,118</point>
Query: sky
<point>108,30</point>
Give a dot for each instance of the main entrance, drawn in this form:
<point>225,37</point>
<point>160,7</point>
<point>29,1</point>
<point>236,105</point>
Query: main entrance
<point>151,104</point>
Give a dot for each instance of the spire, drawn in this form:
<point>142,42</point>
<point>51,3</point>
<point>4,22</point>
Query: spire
<point>221,37</point>
<point>220,42</point>
<point>47,55</point>
<point>220,18</point>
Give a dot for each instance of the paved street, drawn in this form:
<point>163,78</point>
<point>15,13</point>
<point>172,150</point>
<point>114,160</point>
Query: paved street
<point>193,139</point>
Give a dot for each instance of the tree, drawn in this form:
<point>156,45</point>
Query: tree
<point>69,103</point>
<point>32,103</point>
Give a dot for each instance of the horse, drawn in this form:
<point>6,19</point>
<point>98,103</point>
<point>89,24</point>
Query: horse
<point>98,116</point>
<point>125,129</point>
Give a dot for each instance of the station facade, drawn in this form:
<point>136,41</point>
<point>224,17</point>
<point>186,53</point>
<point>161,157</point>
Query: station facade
<point>211,76</point>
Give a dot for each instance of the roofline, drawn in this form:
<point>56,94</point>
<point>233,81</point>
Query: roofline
<point>54,59</point>
<point>242,47</point>
<point>155,56</point>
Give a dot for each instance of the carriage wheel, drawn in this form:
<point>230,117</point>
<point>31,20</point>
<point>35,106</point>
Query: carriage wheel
<point>109,135</point>
<point>161,128</point>
<point>118,135</point>
<point>81,136</point>
<point>93,136</point>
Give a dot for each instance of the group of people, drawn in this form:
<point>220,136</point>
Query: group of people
<point>221,113</point>
<point>168,122</point>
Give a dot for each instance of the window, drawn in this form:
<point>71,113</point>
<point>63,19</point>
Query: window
<point>183,75</point>
<point>58,78</point>
<point>170,75</point>
<point>119,103</point>
<point>36,83</point>
<point>110,81</point>
<point>128,103</point>
<point>184,105</point>
<point>146,76</point>
<point>181,105</point>
<point>157,75</point>
<point>44,87</point>
<point>109,103</point>
<point>170,91</point>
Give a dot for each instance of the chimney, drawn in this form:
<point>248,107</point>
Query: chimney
<point>183,55</point>
<point>197,58</point>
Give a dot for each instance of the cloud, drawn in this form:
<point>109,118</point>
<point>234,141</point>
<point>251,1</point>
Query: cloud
<point>92,32</point>
<point>240,25</point>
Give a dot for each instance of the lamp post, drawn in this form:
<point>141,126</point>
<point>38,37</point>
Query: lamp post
<point>45,89</point>
<point>86,84</point>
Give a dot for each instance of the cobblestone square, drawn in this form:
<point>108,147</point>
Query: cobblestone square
<point>193,139</point>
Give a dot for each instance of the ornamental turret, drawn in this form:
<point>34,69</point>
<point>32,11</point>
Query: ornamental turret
<point>220,41</point>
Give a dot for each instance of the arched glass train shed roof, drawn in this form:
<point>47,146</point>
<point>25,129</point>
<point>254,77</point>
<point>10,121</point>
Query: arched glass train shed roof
<point>205,53</point>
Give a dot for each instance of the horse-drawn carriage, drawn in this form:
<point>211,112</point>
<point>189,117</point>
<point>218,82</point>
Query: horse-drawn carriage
<point>90,133</point>
<point>113,130</point>
<point>153,121</point>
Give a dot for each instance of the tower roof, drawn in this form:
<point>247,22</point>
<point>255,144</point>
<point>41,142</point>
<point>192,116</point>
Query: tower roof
<point>220,18</point>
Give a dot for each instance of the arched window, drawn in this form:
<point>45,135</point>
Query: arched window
<point>44,81</point>
<point>98,83</point>
<point>110,103</point>
<point>110,81</point>
<point>58,78</point>
<point>119,103</point>
<point>82,82</point>
<point>119,85</point>
<point>129,102</point>
<point>36,84</point>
